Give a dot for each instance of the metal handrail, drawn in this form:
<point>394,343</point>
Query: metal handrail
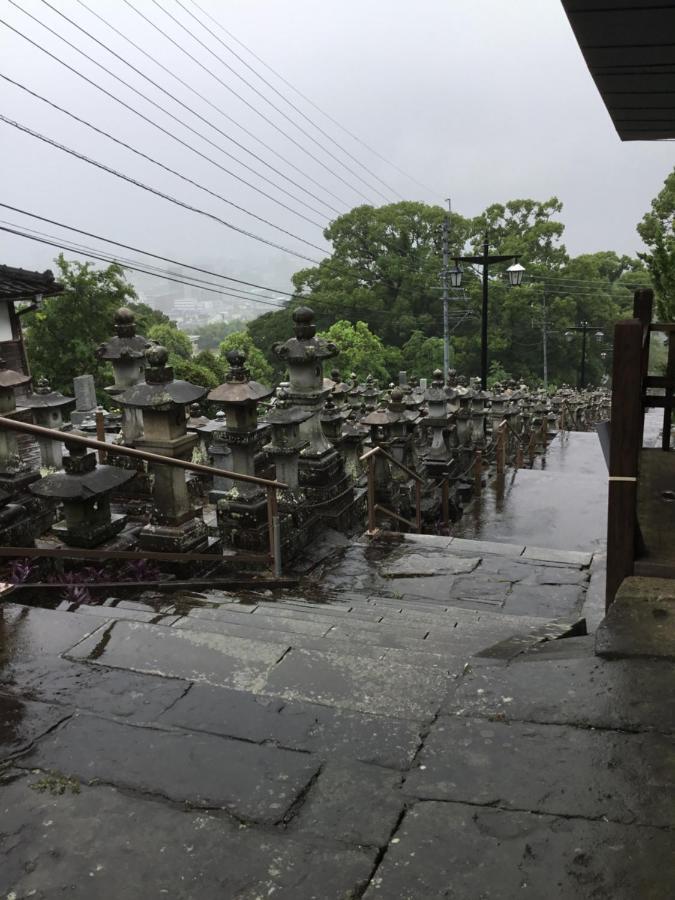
<point>274,531</point>
<point>403,468</point>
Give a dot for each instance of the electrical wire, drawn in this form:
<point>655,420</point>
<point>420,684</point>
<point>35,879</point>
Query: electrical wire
<point>161,108</point>
<point>244,100</point>
<point>59,244</point>
<point>145,252</point>
<point>155,191</point>
<point>192,280</point>
<point>161,165</point>
<point>286,100</point>
<point>225,115</point>
<point>312,103</point>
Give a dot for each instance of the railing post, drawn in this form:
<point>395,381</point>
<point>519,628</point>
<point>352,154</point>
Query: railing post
<point>100,434</point>
<point>274,530</point>
<point>418,506</point>
<point>478,469</point>
<point>501,448</point>
<point>371,494</point>
<point>445,503</point>
<point>624,452</point>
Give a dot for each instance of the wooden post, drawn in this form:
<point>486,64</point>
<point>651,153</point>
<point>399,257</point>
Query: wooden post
<point>478,469</point>
<point>445,503</point>
<point>418,506</point>
<point>624,452</point>
<point>544,434</point>
<point>501,448</point>
<point>519,455</point>
<point>371,494</point>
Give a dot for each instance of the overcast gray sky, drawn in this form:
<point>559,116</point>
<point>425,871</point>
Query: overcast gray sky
<point>480,100</point>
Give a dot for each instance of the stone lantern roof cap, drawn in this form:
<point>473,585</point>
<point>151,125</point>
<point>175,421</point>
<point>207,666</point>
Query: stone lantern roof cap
<point>160,390</point>
<point>287,415</point>
<point>238,388</point>
<point>45,398</point>
<point>126,344</point>
<point>63,486</point>
<point>305,345</point>
<point>381,417</point>
<point>9,377</point>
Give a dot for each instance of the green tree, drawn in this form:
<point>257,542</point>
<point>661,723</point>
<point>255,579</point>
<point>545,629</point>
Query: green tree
<point>176,341</point>
<point>421,355</point>
<point>62,337</point>
<point>361,351</point>
<point>257,365</point>
<point>212,334</point>
<point>657,230</point>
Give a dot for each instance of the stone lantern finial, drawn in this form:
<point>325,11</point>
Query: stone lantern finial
<point>238,369</point>
<point>157,371</point>
<point>303,323</point>
<point>125,323</point>
<point>43,386</point>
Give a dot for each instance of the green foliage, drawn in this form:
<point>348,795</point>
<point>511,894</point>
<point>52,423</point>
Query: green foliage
<point>175,340</point>
<point>258,366</point>
<point>657,230</point>
<point>147,316</point>
<point>212,334</point>
<point>62,337</point>
<point>421,355</point>
<point>189,370</point>
<point>361,351</point>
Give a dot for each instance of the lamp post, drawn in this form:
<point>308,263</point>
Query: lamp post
<point>585,328</point>
<point>515,273</point>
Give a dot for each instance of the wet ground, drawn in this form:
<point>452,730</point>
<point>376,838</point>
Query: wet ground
<point>424,717</point>
<point>561,503</point>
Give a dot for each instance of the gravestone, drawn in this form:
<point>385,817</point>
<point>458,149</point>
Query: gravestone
<point>85,400</point>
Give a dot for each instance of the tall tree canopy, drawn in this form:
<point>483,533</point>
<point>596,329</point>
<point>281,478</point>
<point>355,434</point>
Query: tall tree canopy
<point>385,271</point>
<point>657,230</point>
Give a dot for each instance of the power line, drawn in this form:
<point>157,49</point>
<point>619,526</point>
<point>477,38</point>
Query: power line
<point>157,163</point>
<point>146,187</point>
<point>558,280</point>
<point>164,110</point>
<point>166,259</point>
<point>290,103</point>
<point>242,99</point>
<point>226,116</point>
<point>61,246</point>
<point>191,281</point>
<point>311,102</point>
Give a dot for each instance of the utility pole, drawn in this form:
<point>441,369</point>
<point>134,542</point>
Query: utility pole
<point>446,313</point>
<point>585,328</point>
<point>544,325</point>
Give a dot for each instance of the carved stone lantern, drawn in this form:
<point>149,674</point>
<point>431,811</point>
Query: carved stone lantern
<point>242,511</point>
<point>175,525</point>
<point>340,390</point>
<point>84,489</point>
<point>126,352</point>
<point>287,442</point>
<point>47,407</point>
<point>15,471</point>
<point>370,394</point>
<point>321,468</point>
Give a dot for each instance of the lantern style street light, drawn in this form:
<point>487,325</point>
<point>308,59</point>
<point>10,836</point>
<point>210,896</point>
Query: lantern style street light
<point>515,273</point>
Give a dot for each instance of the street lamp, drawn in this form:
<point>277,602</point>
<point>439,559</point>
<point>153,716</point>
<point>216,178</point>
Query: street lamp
<point>515,273</point>
<point>585,328</point>
<point>515,278</point>
<point>455,276</point>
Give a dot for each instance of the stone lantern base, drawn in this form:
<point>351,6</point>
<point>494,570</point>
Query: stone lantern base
<point>89,534</point>
<point>190,536</point>
<point>242,521</point>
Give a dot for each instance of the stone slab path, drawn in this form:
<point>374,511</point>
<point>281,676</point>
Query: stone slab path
<point>422,718</point>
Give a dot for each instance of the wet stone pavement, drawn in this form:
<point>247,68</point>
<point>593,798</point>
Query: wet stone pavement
<point>422,718</point>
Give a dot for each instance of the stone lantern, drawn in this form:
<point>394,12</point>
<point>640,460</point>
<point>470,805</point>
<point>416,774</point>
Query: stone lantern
<point>437,458</point>
<point>286,444</point>
<point>15,471</point>
<point>175,525</point>
<point>214,434</point>
<point>340,390</point>
<point>47,407</point>
<point>370,394</point>
<point>354,396</point>
<point>321,468</point>
<point>84,489</point>
<point>242,511</point>
<point>126,352</point>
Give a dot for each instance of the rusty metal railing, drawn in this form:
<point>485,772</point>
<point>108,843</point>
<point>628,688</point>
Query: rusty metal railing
<point>374,507</point>
<point>274,529</point>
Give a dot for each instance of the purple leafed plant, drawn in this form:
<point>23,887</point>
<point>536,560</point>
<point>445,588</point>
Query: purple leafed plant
<point>140,570</point>
<point>20,570</point>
